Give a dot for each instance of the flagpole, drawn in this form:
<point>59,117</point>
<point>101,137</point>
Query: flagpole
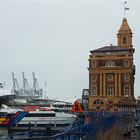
<point>124,7</point>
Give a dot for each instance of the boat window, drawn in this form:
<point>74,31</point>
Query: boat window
<point>57,110</point>
<point>41,115</point>
<point>10,115</point>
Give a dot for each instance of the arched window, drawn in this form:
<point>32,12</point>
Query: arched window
<point>124,40</point>
<point>126,63</point>
<point>126,90</point>
<point>94,77</point>
<point>94,91</point>
<point>126,77</point>
<point>94,64</point>
<point>110,64</point>
<point>109,90</point>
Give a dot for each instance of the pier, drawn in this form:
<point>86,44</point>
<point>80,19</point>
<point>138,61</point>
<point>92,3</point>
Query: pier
<point>92,126</point>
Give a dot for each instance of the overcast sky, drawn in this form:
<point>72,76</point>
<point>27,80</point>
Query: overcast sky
<point>54,38</point>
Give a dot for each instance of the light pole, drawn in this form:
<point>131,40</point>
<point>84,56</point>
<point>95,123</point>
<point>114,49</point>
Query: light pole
<point>3,87</point>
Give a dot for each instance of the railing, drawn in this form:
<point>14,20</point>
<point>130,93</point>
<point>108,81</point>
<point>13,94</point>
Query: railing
<point>100,123</point>
<point>90,126</point>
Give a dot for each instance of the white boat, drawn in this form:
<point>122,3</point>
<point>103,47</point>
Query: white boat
<point>64,106</point>
<point>42,117</point>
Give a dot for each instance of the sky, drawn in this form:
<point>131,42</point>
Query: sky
<point>53,38</point>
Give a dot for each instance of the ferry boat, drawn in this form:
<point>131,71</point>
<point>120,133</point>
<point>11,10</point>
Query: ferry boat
<point>64,106</point>
<point>41,117</point>
<point>9,117</point>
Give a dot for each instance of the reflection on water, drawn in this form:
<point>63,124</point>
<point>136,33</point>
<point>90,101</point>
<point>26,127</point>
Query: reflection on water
<point>8,135</point>
<point>115,133</point>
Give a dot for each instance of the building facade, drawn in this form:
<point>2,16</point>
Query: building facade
<point>111,72</point>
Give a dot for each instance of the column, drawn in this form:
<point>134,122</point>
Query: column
<point>104,92</point>
<point>116,85</point>
<point>119,84</point>
<point>101,90</point>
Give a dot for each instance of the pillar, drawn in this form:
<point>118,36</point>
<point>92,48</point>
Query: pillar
<point>119,84</point>
<point>104,85</point>
<point>101,90</point>
<point>116,85</point>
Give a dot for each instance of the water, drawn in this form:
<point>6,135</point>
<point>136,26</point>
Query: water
<point>4,135</point>
<point>3,132</point>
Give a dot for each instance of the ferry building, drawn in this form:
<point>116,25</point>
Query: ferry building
<point>111,73</point>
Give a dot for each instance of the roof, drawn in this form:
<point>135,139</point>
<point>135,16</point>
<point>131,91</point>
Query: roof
<point>124,26</point>
<point>127,102</point>
<point>110,49</point>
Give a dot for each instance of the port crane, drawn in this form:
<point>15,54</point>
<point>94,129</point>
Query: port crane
<point>33,91</point>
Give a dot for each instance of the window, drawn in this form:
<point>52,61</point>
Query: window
<point>98,102</point>
<point>40,114</point>
<point>126,91</point>
<point>110,77</point>
<point>124,40</point>
<point>85,101</point>
<point>94,91</point>
<point>126,63</point>
<point>94,64</point>
<point>126,77</point>
<point>109,90</point>
<point>110,64</point>
<point>94,77</point>
<point>85,93</point>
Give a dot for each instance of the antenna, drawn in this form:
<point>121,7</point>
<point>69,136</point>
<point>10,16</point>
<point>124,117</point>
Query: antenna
<point>45,89</point>
<point>125,8</point>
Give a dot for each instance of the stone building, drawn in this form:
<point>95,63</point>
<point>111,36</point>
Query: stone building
<point>111,72</point>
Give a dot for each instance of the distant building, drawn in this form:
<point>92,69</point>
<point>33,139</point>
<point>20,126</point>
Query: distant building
<point>85,96</point>
<point>111,73</point>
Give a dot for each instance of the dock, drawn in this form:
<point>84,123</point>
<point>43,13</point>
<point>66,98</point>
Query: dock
<point>91,126</point>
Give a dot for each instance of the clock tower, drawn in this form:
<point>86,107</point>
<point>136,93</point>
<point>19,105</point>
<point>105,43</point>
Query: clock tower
<point>111,72</point>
